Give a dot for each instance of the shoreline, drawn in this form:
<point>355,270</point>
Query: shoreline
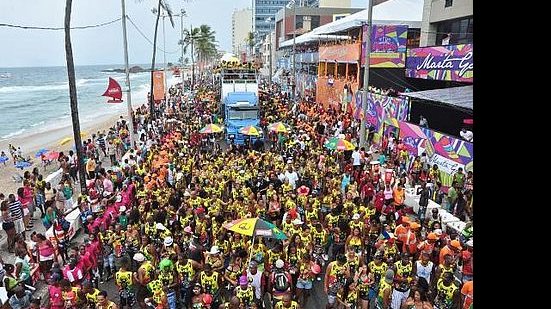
<point>49,139</point>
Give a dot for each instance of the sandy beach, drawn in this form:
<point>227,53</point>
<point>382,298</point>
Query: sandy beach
<point>30,144</point>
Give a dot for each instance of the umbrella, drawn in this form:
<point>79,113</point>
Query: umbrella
<point>255,227</point>
<point>211,128</point>
<point>40,152</point>
<point>249,130</point>
<point>339,144</point>
<point>68,139</point>
<point>279,127</point>
<point>52,155</point>
<point>4,159</point>
<point>22,164</point>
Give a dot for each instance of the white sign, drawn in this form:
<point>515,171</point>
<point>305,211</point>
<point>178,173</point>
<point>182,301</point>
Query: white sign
<point>444,164</point>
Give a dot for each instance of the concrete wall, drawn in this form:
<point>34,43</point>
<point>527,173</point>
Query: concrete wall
<point>434,12</point>
<point>460,8</point>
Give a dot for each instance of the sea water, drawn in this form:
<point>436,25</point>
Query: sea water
<point>36,99</point>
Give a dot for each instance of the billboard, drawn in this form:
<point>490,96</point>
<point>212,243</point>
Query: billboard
<point>388,46</point>
<point>158,85</point>
<point>448,152</point>
<point>451,63</point>
<point>381,109</point>
<point>340,53</point>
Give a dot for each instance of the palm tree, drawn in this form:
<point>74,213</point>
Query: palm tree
<point>166,7</point>
<point>202,42</point>
<point>73,95</point>
<point>250,42</point>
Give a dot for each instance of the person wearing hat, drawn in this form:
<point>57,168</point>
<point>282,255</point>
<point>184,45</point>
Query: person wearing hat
<point>453,248</point>
<point>281,281</point>
<point>142,277</point>
<point>214,259</point>
<point>245,292</point>
<point>428,244</point>
<point>123,217</point>
<point>466,260</point>
<point>384,296</point>
<point>169,247</point>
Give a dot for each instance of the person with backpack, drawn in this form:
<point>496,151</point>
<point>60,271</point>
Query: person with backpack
<point>281,281</point>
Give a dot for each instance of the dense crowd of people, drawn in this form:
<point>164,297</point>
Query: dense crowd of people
<point>155,219</point>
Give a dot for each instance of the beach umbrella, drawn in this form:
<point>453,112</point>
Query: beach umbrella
<point>255,227</point>
<point>4,159</point>
<point>52,155</point>
<point>22,164</point>
<point>40,152</point>
<point>211,128</point>
<point>250,130</point>
<point>336,143</point>
<point>279,127</point>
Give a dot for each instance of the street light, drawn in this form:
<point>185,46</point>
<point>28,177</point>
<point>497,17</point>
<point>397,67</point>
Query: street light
<point>269,20</point>
<point>293,77</point>
<point>363,122</point>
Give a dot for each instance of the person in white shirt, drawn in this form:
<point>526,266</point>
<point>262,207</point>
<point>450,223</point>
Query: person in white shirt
<point>291,176</point>
<point>356,158</point>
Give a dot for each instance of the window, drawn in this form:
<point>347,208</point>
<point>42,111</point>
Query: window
<point>240,114</point>
<point>448,3</point>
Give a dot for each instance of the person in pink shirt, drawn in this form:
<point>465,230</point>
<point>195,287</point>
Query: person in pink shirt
<point>73,272</point>
<point>56,294</point>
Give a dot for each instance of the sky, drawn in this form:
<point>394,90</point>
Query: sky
<point>28,48</point>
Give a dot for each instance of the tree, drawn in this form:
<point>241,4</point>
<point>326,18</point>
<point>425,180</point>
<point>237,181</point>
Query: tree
<point>166,7</point>
<point>202,42</point>
<point>250,42</point>
<point>73,95</point>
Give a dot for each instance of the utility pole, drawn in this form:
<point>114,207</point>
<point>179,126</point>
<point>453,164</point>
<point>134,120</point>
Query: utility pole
<point>182,13</point>
<point>127,71</point>
<point>164,59</point>
<point>269,20</point>
<point>366,72</point>
<point>294,85</point>
<point>192,57</point>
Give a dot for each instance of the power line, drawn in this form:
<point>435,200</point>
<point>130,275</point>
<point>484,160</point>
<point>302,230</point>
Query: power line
<point>58,28</point>
<point>146,38</point>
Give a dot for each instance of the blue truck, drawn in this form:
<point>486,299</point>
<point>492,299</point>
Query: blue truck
<point>239,98</point>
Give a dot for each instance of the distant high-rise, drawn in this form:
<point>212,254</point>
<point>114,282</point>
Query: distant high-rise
<point>241,26</point>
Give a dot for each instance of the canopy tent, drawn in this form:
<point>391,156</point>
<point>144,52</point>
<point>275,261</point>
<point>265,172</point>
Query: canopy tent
<point>311,37</point>
<point>393,12</point>
<point>460,97</point>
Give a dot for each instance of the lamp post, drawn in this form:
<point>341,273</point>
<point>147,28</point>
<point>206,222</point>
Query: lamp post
<point>293,80</point>
<point>269,20</point>
<point>366,71</point>
<point>127,71</point>
<point>182,15</point>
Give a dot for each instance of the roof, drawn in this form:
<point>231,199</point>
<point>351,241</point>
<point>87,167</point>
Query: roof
<point>234,97</point>
<point>393,12</point>
<point>461,97</point>
<point>311,37</point>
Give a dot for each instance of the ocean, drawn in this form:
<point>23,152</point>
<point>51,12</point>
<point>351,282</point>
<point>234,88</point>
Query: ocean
<point>36,100</point>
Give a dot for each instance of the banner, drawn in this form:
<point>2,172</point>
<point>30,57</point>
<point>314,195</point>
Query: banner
<point>382,109</point>
<point>158,85</point>
<point>340,53</point>
<point>451,62</point>
<point>388,46</point>
<point>448,152</point>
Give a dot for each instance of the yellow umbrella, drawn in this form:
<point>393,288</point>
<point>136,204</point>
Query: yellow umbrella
<point>279,127</point>
<point>68,139</point>
<point>249,130</point>
<point>211,128</point>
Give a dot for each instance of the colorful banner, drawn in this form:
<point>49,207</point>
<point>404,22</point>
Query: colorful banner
<point>449,153</point>
<point>451,62</point>
<point>340,53</point>
<point>388,46</point>
<point>158,85</point>
<point>382,109</point>
<point>333,94</point>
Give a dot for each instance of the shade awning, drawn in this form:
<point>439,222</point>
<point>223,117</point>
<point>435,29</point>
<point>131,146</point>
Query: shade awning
<point>460,97</point>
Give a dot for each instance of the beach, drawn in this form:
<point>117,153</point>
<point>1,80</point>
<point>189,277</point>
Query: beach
<point>50,139</point>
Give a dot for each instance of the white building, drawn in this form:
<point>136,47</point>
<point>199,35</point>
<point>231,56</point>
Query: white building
<point>241,26</point>
<point>447,22</point>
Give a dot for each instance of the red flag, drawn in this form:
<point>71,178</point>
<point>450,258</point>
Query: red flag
<point>113,91</point>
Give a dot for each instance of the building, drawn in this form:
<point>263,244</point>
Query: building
<point>334,3</point>
<point>447,22</point>
<point>307,19</point>
<point>241,26</point>
<point>263,11</point>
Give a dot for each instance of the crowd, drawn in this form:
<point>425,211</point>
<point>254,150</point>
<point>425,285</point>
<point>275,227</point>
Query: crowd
<point>156,220</point>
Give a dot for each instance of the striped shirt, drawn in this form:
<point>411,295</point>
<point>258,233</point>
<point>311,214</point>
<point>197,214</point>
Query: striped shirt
<point>15,210</point>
